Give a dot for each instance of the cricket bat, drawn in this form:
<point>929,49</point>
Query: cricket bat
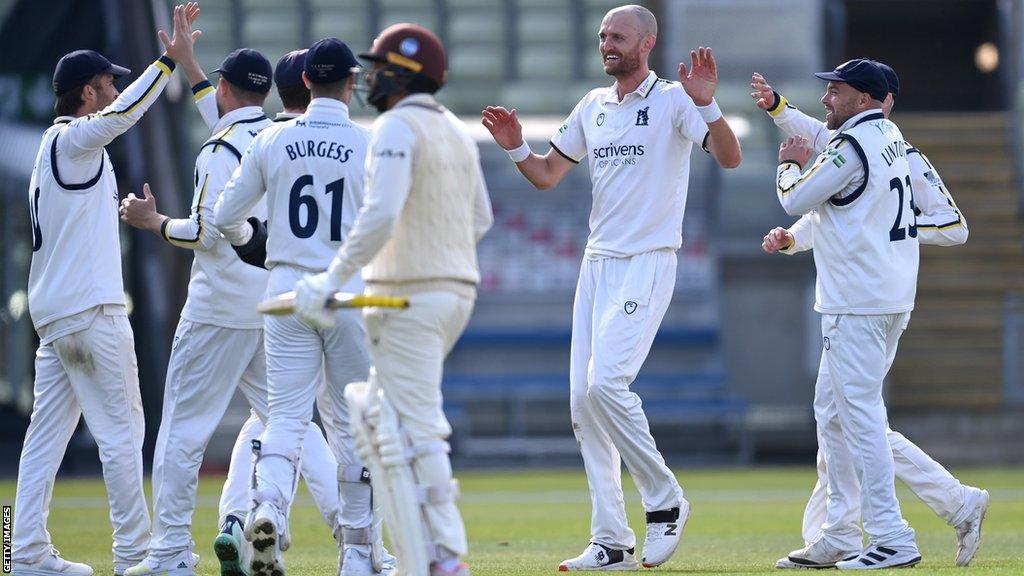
<point>285,303</point>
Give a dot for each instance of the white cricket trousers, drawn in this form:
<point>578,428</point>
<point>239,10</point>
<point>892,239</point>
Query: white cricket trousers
<point>408,348</point>
<point>88,371</point>
<point>619,305</point>
<point>207,363</point>
<point>295,355</point>
<point>926,478</point>
<point>852,429</point>
<point>318,468</point>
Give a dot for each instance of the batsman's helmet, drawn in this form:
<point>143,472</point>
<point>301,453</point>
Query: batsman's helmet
<point>414,59</point>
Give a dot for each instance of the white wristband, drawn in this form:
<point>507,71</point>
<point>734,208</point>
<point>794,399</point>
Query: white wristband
<point>521,153</point>
<point>711,112</point>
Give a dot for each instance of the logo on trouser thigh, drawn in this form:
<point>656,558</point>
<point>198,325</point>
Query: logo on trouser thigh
<point>629,307</point>
<point>827,343</point>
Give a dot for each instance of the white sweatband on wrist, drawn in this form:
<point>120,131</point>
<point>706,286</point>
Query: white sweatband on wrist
<point>521,153</point>
<point>711,112</point>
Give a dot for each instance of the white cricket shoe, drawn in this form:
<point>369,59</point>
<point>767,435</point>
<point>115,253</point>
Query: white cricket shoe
<point>232,549</point>
<point>968,532</point>
<point>664,530</point>
<point>817,554</point>
<point>599,557</point>
<point>876,557</point>
<point>265,534</point>
<point>181,564</point>
<point>51,565</point>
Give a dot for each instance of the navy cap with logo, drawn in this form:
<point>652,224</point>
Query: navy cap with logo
<point>863,74</point>
<point>288,72</point>
<point>247,69</point>
<point>890,78</point>
<point>77,68</point>
<point>329,60</point>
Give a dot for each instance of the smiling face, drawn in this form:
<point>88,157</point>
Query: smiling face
<point>623,43</point>
<point>842,102</point>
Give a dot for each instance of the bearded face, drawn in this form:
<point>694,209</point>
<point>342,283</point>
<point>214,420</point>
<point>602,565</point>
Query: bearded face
<point>620,44</point>
<point>841,104</point>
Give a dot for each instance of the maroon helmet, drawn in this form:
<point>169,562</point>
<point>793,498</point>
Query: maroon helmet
<point>408,51</point>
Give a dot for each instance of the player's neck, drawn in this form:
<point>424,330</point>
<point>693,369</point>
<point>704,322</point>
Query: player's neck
<point>629,83</point>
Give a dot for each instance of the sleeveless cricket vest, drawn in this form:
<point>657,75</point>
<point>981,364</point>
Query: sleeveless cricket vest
<point>865,244</point>
<point>434,238</point>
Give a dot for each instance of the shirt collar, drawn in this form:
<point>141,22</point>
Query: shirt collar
<point>642,90</point>
<point>282,116</point>
<point>237,115</point>
<point>63,119</point>
<point>417,98</point>
<point>862,117</point>
<point>328,105</point>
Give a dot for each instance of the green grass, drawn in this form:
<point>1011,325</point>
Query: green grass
<point>527,522</point>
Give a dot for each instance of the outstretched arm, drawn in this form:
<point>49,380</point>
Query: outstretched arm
<point>699,82</point>
<point>786,116</point>
<point>98,130</point>
<point>543,172</point>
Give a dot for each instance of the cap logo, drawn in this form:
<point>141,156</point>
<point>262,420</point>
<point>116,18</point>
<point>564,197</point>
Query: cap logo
<point>409,46</point>
<point>258,79</point>
<point>322,69</point>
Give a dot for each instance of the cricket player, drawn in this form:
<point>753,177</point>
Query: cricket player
<point>638,135</point>
<point>860,195</point>
<point>311,171</point>
<point>939,222</point>
<point>85,364</point>
<point>219,341</point>
<point>426,208</point>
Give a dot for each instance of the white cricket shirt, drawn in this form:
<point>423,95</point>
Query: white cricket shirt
<point>222,290</point>
<point>73,204</point>
<point>859,196</point>
<point>639,154</point>
<point>939,221</point>
<point>311,170</point>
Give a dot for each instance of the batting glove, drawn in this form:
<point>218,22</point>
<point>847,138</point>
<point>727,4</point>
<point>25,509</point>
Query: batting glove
<point>311,295</point>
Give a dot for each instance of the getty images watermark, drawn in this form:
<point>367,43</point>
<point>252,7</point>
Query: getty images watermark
<point>7,539</point>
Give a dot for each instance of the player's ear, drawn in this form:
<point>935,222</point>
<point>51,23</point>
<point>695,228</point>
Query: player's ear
<point>649,42</point>
<point>305,80</point>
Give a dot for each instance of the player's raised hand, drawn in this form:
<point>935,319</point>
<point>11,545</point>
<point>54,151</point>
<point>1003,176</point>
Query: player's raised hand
<point>777,239</point>
<point>701,78</point>
<point>504,126</point>
<point>763,94</point>
<point>795,149</point>
<point>192,12</point>
<point>141,212</point>
<point>181,46</point>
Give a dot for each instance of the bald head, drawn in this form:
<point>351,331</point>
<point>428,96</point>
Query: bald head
<point>645,22</point>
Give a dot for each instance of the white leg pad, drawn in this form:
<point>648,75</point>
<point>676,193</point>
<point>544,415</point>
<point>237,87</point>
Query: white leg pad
<point>379,442</point>
<point>269,494</point>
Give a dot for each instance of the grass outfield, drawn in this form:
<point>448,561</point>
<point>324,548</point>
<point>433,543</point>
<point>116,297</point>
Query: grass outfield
<point>527,522</point>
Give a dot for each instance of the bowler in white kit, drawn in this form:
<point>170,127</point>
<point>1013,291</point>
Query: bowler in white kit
<point>638,135</point>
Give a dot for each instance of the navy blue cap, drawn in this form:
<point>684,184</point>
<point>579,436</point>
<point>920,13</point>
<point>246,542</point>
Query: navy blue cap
<point>77,68</point>
<point>329,60</point>
<point>861,73</point>
<point>288,72</point>
<point>247,69</point>
<point>890,78</point>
